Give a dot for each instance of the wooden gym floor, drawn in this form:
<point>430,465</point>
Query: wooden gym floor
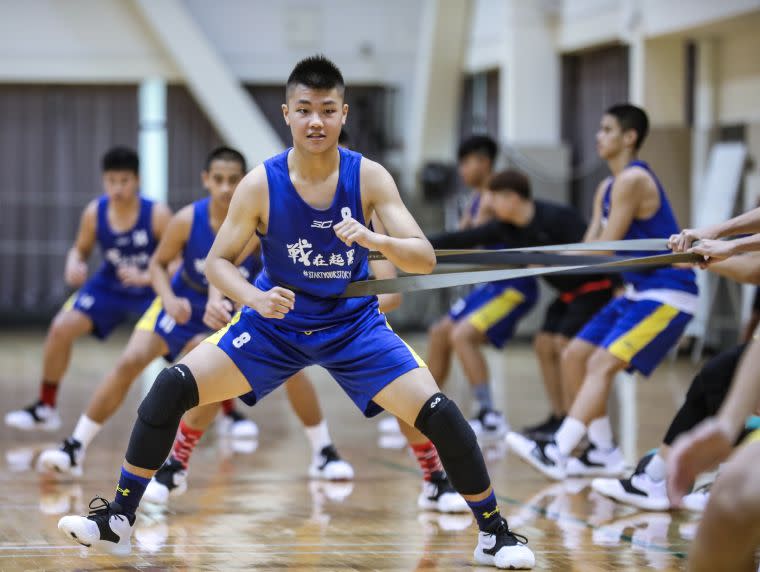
<point>251,506</point>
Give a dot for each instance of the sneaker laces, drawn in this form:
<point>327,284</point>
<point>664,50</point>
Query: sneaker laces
<point>70,446</point>
<point>101,509</point>
<point>32,410</point>
<point>703,489</point>
<point>642,466</point>
<point>503,528</point>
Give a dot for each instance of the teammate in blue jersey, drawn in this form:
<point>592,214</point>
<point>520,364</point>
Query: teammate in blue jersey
<point>635,331</point>
<point>126,227</point>
<point>489,313</point>
<point>185,311</point>
<point>309,206</point>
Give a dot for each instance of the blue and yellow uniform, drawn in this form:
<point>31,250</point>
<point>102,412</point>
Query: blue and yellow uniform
<point>641,327</point>
<point>104,298</point>
<point>349,337</point>
<point>189,281</point>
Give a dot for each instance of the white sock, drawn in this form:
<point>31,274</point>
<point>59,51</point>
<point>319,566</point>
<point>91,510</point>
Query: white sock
<point>600,433</point>
<point>656,468</point>
<point>569,435</point>
<point>86,430</point>
<point>319,437</point>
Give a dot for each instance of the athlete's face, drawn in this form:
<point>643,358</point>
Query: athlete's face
<point>502,203</point>
<point>315,117</point>
<point>474,170</point>
<point>611,140</point>
<point>120,186</point>
<point>221,179</point>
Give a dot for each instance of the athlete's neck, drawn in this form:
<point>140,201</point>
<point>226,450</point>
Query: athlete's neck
<point>620,161</point>
<point>124,208</point>
<point>217,212</point>
<point>311,167</point>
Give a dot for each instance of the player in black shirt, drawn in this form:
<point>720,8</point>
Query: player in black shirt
<point>522,221</point>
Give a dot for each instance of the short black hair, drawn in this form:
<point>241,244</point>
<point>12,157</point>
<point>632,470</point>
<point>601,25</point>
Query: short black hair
<point>478,144</point>
<point>121,159</point>
<point>316,72</point>
<point>511,180</point>
<point>226,154</point>
<point>631,117</point>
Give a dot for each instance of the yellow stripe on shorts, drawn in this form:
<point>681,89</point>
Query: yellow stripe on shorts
<point>417,358</point>
<point>496,310</point>
<point>753,437</point>
<point>641,335</point>
<point>69,304</point>
<point>147,321</point>
<point>216,336</point>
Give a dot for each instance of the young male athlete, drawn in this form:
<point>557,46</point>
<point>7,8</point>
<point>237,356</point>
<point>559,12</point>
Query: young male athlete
<point>437,493</point>
<point>645,488</point>
<point>127,228</point>
<point>489,313</point>
<point>177,320</point>
<point>633,332</point>
<point>308,205</point>
<point>521,220</point>
<point>729,533</point>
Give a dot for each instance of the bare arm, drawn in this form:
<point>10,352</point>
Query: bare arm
<point>173,240</point>
<point>405,245</point>
<point>595,226</point>
<point>132,275</point>
<point>739,268</point>
<point>625,198</point>
<point>243,218</point>
<point>382,269</point>
<point>748,222</point>
<point>75,272</point>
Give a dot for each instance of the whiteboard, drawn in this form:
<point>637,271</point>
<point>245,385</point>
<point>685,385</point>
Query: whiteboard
<point>721,186</point>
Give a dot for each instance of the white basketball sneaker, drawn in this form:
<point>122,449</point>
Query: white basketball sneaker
<point>169,481</point>
<point>439,495</point>
<point>106,527</point>
<point>329,466</point>
<point>594,462</point>
<point>235,425</point>
<point>489,425</point>
<point>696,500</point>
<point>638,490</point>
<point>67,459</point>
<point>502,548</point>
<point>388,425</point>
<point>542,455</point>
<point>39,416</point>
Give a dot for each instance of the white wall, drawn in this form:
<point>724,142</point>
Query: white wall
<point>739,73</point>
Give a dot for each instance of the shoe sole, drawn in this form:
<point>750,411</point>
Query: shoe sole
<point>120,549</point>
<point>522,559</point>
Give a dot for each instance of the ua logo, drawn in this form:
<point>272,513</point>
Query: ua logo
<point>321,224</point>
<point>124,492</point>
<point>487,514</point>
<point>436,401</point>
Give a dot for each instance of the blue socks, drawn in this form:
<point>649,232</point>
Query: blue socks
<point>482,393</point>
<point>486,512</point>
<point>129,491</point>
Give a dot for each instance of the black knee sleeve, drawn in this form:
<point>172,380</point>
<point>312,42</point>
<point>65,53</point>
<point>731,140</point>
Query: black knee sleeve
<point>158,416</point>
<point>441,421</point>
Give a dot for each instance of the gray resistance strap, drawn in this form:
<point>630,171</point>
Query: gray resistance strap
<point>434,281</point>
<point>637,244</point>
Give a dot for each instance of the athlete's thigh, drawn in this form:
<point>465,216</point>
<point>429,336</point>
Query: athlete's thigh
<point>405,396</point>
<point>74,321</point>
<point>143,347</point>
<point>216,375</point>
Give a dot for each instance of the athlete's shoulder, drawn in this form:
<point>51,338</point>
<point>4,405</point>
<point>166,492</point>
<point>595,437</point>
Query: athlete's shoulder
<point>186,214</point>
<point>374,175</point>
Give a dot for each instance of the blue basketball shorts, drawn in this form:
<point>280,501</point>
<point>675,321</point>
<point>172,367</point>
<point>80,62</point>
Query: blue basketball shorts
<point>155,319</point>
<point>363,355</point>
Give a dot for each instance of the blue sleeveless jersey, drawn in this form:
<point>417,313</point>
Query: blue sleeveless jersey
<point>301,250</point>
<point>660,225</point>
<point>189,281</point>
<point>134,247</point>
